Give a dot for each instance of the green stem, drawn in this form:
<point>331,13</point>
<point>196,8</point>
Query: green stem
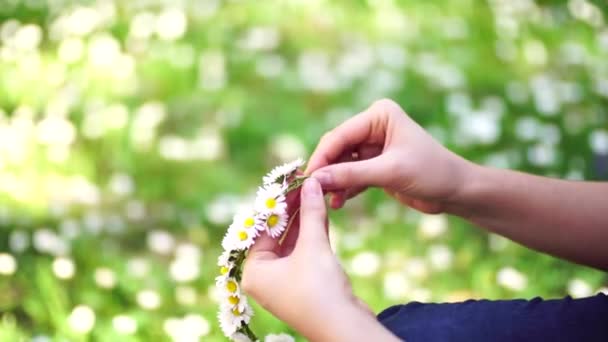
<point>247,331</point>
<point>295,213</point>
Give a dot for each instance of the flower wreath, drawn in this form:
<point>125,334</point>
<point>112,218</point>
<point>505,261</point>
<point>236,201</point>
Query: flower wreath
<point>268,215</point>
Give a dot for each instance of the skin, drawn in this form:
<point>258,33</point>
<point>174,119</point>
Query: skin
<point>302,282</point>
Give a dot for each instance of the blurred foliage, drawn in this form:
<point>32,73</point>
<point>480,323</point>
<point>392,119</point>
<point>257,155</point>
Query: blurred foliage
<point>130,131</point>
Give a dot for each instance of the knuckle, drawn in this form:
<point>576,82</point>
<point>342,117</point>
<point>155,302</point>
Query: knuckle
<point>388,107</point>
<point>384,104</point>
<point>326,137</point>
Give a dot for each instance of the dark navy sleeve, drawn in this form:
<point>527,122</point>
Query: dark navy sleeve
<point>567,319</point>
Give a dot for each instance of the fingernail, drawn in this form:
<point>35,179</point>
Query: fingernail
<point>324,178</point>
<point>311,188</point>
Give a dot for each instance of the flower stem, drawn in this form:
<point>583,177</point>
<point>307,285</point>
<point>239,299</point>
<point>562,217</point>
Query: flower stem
<point>247,331</point>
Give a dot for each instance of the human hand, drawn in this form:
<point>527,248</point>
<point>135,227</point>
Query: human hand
<point>303,284</point>
<point>384,147</point>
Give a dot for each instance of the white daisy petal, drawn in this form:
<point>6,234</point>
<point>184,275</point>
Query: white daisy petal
<point>240,337</point>
<point>280,173</point>
<point>242,238</point>
<point>275,223</point>
<point>271,198</point>
<point>228,286</point>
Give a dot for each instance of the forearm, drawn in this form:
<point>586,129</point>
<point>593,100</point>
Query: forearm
<point>353,326</point>
<point>564,218</point>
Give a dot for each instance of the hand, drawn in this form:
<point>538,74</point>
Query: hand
<point>384,147</point>
<point>305,285</point>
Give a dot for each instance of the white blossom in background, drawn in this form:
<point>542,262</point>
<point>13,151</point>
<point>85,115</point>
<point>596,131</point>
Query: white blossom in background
<point>388,211</point>
<point>18,241</point>
<point>171,24</point>
<point>598,140</point>
<point>184,270</point>
<point>511,279</point>
<point>579,288</point>
<point>420,294</point>
<point>497,242</point>
<point>105,278</point>
<point>440,257</point>
<point>148,299</point>
<point>316,72</point>
<point>270,66</point>
<point>143,25</point>
<point>64,268</point>
<point>121,184</point>
<point>138,267</point>
<point>279,338</point>
<point>145,121</point>
<point>161,242</point>
<point>212,74</point>
<point>535,52</point>
<point>47,241</point>
<point>287,147</point>
<point>27,37</point>
<point>190,328</point>
<point>396,285</point>
<point>260,38</point>
<point>70,50</point>
<point>365,264</point>
<point>135,210</point>
<point>8,264</point>
<point>124,324</point>
<point>186,295</point>
<point>542,154</point>
<point>432,226</point>
<point>416,268</point>
<point>104,51</point>
<point>586,11</point>
<point>82,319</point>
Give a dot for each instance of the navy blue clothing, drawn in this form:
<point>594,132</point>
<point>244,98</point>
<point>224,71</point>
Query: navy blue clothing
<point>584,319</point>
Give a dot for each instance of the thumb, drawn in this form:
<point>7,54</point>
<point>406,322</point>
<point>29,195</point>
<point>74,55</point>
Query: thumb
<point>313,216</point>
<point>356,174</point>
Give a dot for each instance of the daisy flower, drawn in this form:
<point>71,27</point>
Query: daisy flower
<point>228,286</point>
<point>231,319</point>
<point>224,261</point>
<point>246,219</point>
<point>281,173</point>
<point>228,243</point>
<point>271,199</point>
<point>235,301</point>
<point>240,237</point>
<point>275,223</point>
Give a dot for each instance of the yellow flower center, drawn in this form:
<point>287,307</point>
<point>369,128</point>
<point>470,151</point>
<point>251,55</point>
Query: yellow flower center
<point>271,203</point>
<point>272,220</point>
<point>223,270</point>
<point>231,286</point>
<point>234,300</point>
<point>243,235</point>
<point>236,312</point>
<point>249,222</point>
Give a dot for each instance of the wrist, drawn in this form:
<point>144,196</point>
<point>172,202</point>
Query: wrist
<point>473,180</point>
<point>349,323</point>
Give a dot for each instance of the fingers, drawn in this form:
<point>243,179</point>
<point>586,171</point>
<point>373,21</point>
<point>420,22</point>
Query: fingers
<point>358,174</point>
<point>339,198</point>
<point>313,216</point>
<point>366,151</point>
<point>265,247</point>
<point>344,137</point>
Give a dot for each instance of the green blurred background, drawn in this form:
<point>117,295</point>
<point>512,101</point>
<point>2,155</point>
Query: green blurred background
<point>130,131</point>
